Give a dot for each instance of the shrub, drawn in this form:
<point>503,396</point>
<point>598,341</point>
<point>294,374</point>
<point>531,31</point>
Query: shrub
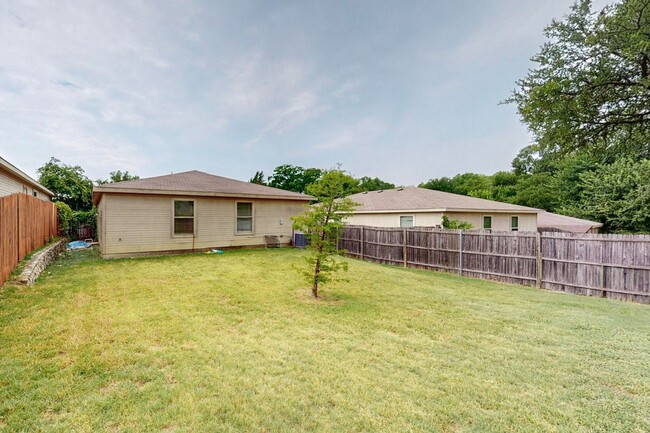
<point>66,217</point>
<point>455,224</point>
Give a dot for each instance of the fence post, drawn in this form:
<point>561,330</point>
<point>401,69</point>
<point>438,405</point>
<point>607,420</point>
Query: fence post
<point>602,266</point>
<point>538,240</point>
<point>404,246</point>
<point>362,242</point>
<point>460,252</point>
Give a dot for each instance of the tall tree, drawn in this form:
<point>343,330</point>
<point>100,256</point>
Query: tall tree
<point>616,194</point>
<point>373,184</point>
<point>117,176</point>
<point>68,183</point>
<point>472,184</point>
<point>323,223</point>
<point>258,178</point>
<point>591,86</point>
<point>294,178</point>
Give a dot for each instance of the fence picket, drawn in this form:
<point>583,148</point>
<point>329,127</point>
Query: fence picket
<point>612,266</point>
<point>26,223</point>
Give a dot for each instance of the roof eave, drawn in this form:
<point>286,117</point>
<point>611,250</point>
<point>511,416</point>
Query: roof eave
<point>382,211</point>
<point>15,171</point>
<point>98,191</point>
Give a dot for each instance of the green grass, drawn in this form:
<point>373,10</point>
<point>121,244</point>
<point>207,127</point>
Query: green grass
<point>233,343</point>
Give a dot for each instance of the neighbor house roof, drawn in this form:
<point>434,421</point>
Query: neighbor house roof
<point>413,199</point>
<point>196,183</point>
<point>547,220</point>
<point>13,171</point>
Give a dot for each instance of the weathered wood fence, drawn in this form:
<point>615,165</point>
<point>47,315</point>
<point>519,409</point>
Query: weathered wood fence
<point>611,266</point>
<point>26,223</point>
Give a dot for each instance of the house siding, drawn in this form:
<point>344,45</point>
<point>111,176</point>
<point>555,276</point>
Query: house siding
<point>133,224</point>
<point>11,185</point>
<point>500,221</point>
<point>421,219</point>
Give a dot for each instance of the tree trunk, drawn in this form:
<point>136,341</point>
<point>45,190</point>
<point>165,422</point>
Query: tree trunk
<point>314,287</point>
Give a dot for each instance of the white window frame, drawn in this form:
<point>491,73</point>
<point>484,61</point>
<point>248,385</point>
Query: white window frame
<point>513,228</point>
<point>491,222</point>
<point>252,217</point>
<point>400,220</point>
<point>183,235</point>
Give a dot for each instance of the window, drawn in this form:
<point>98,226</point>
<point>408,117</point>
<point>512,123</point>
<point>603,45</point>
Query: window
<point>25,190</point>
<point>514,223</point>
<point>34,193</point>
<point>183,217</point>
<point>244,217</point>
<point>487,222</point>
<point>406,221</point>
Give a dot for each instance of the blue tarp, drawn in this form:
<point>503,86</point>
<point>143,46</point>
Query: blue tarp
<point>77,245</point>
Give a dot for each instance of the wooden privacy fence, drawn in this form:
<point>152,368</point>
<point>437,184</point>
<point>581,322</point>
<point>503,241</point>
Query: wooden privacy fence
<point>26,223</point>
<point>612,266</point>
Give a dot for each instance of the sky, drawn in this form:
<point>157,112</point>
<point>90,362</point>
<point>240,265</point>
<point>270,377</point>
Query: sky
<point>401,90</point>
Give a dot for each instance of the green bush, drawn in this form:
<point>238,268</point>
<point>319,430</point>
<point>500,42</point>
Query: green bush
<point>66,217</point>
<point>455,224</point>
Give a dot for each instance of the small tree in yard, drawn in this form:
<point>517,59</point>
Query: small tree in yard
<point>323,224</point>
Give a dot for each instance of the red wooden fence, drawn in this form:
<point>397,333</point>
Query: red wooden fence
<point>26,223</point>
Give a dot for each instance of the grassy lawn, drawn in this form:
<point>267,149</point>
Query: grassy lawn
<point>232,343</point>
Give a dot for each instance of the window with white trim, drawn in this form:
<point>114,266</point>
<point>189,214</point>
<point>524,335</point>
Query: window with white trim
<point>244,217</point>
<point>514,223</point>
<point>183,217</point>
<point>487,222</point>
<point>406,221</point>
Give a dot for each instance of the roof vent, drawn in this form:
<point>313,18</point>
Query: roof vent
<point>365,192</point>
<point>401,188</point>
<point>380,191</point>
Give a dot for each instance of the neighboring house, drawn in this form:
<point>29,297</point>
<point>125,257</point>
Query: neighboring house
<point>191,211</point>
<point>409,207</point>
<point>13,180</point>
<point>551,222</point>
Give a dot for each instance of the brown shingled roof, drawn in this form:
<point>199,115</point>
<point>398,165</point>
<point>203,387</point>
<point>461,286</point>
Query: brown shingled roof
<point>565,223</point>
<point>422,199</point>
<point>196,183</point>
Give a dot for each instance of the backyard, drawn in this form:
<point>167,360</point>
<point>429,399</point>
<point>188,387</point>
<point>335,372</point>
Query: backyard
<point>234,343</point>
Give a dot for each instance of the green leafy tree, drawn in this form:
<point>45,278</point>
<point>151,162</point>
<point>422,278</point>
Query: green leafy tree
<point>258,178</point>
<point>591,86</point>
<point>117,176</point>
<point>444,184</point>
<point>617,195</point>
<point>373,184</point>
<point>472,184</point>
<point>504,186</point>
<point>537,190</point>
<point>294,178</point>
<point>322,224</point>
<point>68,183</point>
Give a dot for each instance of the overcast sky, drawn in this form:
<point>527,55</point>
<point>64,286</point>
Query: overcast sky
<point>402,90</point>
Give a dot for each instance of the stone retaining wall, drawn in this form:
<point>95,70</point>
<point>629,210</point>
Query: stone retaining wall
<point>39,262</point>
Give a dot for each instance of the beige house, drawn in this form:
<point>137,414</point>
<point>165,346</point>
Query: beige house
<point>13,180</point>
<point>191,211</point>
<point>410,207</point>
<point>547,221</point>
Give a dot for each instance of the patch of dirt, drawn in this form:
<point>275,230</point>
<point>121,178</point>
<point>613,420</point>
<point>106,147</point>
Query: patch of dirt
<point>324,298</point>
